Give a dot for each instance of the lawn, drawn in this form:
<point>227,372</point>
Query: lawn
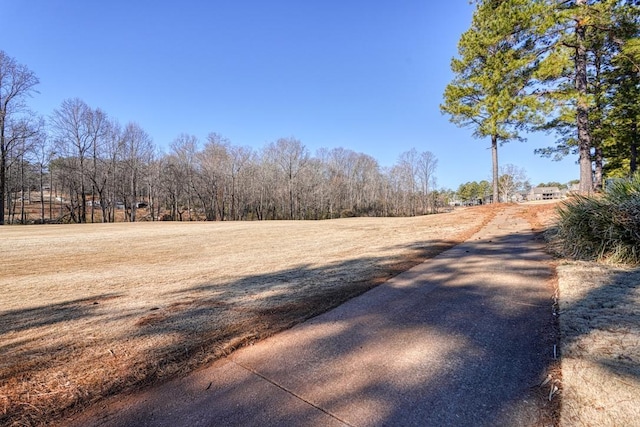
<point>96,309</point>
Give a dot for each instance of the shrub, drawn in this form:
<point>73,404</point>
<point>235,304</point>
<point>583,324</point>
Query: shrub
<point>604,227</point>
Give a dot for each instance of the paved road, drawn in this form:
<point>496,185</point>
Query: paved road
<point>463,339</point>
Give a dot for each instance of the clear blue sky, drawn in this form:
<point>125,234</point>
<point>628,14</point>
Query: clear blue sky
<point>363,75</point>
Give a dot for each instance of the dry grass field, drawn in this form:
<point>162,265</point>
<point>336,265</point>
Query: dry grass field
<point>96,309</point>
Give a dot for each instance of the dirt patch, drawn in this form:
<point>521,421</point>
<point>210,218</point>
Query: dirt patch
<point>540,214</point>
<point>91,310</point>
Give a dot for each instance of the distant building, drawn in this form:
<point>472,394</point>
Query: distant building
<point>546,193</point>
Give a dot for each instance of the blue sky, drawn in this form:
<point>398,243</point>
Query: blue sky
<point>363,75</point>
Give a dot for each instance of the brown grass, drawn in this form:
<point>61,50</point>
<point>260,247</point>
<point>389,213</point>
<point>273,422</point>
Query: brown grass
<point>95,309</point>
<point>600,330</point>
<point>599,322</point>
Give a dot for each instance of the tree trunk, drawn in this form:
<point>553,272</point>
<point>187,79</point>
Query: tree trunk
<point>60,207</point>
<point>42,192</point>
<point>93,203</point>
<point>598,164</point>
<point>3,176</point>
<point>103,205</point>
<point>582,119</point>
<point>290,198</point>
<point>83,199</point>
<point>50,192</point>
<point>494,166</point>
<point>23,216</point>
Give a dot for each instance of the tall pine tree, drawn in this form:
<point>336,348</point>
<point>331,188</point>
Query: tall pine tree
<point>492,74</point>
<point>580,43</point>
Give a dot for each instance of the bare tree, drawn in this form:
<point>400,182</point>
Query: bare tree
<point>512,180</point>
<point>136,156</point>
<point>17,82</point>
<point>154,178</point>
<point>19,181</point>
<point>74,136</point>
<point>365,179</point>
<point>264,189</point>
<point>108,150</point>
<point>98,128</point>
<point>407,168</point>
<point>239,158</point>
<point>291,156</point>
<point>313,194</point>
<point>213,164</point>
<point>42,155</point>
<point>172,183</point>
<point>427,164</point>
<point>185,149</point>
<point>20,135</point>
<point>339,167</point>
<point>396,194</point>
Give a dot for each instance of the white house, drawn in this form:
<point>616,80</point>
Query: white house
<point>546,193</point>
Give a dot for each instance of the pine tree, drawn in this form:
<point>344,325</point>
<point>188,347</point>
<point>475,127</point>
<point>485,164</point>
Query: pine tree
<point>579,43</point>
<point>490,90</point>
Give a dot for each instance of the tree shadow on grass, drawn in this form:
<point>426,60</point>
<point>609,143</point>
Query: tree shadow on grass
<point>48,315</point>
<point>34,340</point>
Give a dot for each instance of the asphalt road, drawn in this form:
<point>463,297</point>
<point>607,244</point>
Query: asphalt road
<point>464,339</point>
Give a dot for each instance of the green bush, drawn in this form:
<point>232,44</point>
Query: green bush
<point>604,227</point>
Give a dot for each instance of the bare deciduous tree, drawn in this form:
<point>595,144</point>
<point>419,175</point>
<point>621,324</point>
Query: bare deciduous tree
<point>407,169</point>
<point>512,180</point>
<point>427,164</point>
<point>17,82</point>
<point>185,149</point>
<point>136,156</point>
<point>291,156</point>
<point>74,133</point>
<point>106,158</point>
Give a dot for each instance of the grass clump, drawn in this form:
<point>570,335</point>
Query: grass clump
<point>604,227</point>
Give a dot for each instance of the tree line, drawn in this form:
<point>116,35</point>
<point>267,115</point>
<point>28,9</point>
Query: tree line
<point>569,68</point>
<point>80,165</point>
